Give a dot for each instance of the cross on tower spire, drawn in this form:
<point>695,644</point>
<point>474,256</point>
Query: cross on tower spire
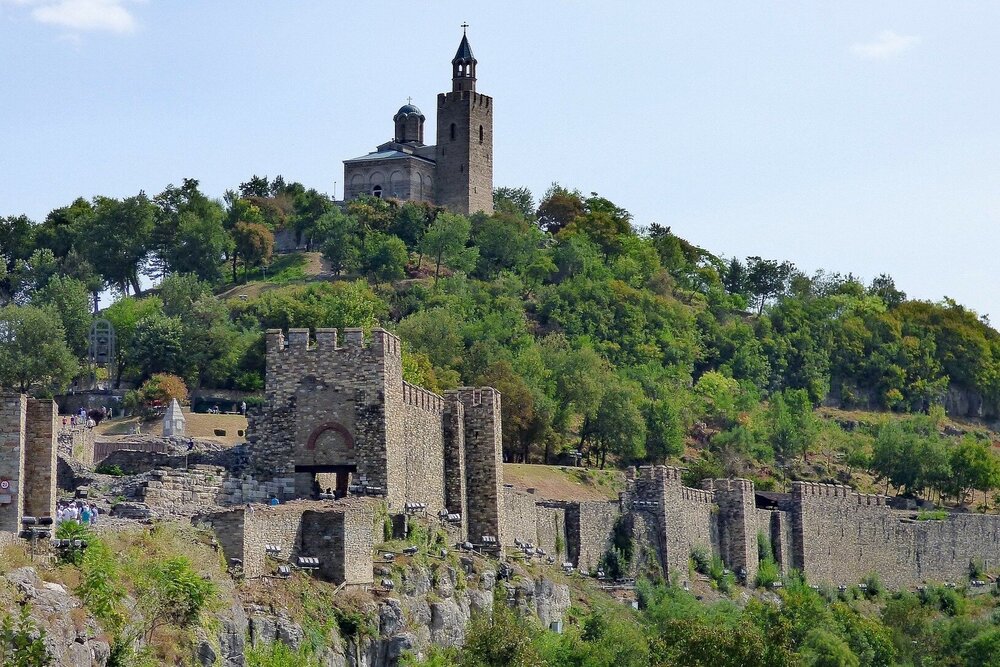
<point>464,26</point>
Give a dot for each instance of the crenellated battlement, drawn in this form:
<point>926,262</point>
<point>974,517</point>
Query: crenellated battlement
<point>697,495</point>
<point>469,96</point>
<point>421,398</point>
<point>838,492</point>
<point>297,340</point>
<point>734,485</point>
<point>484,398</point>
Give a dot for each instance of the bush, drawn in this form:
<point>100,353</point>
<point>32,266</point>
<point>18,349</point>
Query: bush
<point>105,469</point>
<point>279,654</point>
<point>767,573</point>
<point>74,531</point>
<point>701,559</point>
<point>875,587</point>
<point>22,643</point>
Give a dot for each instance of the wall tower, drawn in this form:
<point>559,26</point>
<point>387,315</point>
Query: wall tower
<point>464,154</point>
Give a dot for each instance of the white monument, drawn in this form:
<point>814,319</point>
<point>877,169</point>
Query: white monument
<point>173,421</point>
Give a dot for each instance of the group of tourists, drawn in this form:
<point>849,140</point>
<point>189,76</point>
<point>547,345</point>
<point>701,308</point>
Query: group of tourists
<point>89,419</point>
<point>78,512</point>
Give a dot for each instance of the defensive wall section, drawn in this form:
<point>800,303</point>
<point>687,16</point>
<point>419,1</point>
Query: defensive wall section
<point>338,416</point>
<point>28,446</point>
<point>840,536</point>
<point>338,420</point>
<point>339,534</point>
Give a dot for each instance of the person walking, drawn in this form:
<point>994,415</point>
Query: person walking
<point>243,408</point>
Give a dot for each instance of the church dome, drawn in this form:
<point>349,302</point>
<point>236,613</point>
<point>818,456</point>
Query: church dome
<point>406,110</point>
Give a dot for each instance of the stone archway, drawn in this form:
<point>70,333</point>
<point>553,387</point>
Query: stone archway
<point>326,461</point>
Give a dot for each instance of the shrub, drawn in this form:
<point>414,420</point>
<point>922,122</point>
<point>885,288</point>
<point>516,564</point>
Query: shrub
<point>767,573</point>
<point>702,561</point>
<point>22,643</point>
<point>105,469</point>
<point>875,587</point>
<point>74,531</point>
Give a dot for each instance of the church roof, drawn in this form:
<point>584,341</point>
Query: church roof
<point>387,155</point>
<point>464,54</point>
<point>408,108</point>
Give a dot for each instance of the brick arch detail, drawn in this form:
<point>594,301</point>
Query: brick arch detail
<point>330,426</point>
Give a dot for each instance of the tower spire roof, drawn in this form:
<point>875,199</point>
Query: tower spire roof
<point>464,54</point>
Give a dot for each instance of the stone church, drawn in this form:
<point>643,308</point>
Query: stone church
<point>457,173</point>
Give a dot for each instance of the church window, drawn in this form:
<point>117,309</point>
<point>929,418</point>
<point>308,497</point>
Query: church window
<point>480,134</point>
<point>377,191</point>
<point>453,132</point>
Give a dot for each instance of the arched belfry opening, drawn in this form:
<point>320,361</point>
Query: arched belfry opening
<point>463,66</point>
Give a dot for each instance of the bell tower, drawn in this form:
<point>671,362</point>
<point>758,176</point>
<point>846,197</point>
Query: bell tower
<point>464,152</point>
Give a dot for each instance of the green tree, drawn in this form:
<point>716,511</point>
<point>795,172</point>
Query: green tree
<point>767,278</point>
<point>171,592</point>
<point>791,424</point>
<point>340,245</point>
<point>518,201</point>
<point>445,241</point>
<point>384,257</point>
<point>71,300</point>
<point>254,242</point>
<point>618,427</point>
<point>158,347</point>
<point>664,430</point>
<point>33,350</point>
<point>119,238</point>
<point>125,315</point>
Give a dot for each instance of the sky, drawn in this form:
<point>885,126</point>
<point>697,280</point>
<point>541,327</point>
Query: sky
<point>855,136</point>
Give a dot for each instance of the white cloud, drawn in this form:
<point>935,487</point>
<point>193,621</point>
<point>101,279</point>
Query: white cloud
<point>886,44</point>
<point>110,15</point>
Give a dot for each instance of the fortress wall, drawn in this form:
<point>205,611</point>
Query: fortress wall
<point>76,442</point>
<point>484,463</point>
<point>40,457</point>
<point>841,536</point>
<point>423,449</point>
<point>943,550</point>
<point>13,411</point>
<point>695,523</point>
<point>551,529</point>
<point>280,526</point>
<point>341,537</point>
<point>453,430</point>
<point>737,524</point>
<point>592,534</point>
<point>352,383</point>
<point>522,516</point>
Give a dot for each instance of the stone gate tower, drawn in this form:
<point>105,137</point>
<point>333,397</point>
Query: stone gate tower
<point>464,153</point>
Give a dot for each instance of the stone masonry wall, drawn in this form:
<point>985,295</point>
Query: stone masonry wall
<point>339,534</point>
<point>315,388</point>
<point>595,526</point>
<point>737,523</point>
<point>40,457</point>
<point>522,515</point>
<point>454,461</point>
<point>551,529</point>
<point>484,463</point>
<point>77,442</point>
<point>686,516</point>
<point>424,448</point>
<point>178,491</point>
<point>841,536</point>
<point>13,410</point>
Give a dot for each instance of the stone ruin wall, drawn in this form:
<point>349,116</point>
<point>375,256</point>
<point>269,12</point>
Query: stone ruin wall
<point>28,433</point>
<point>423,449</point>
<point>76,442</point>
<point>842,536</point>
<point>339,534</point>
